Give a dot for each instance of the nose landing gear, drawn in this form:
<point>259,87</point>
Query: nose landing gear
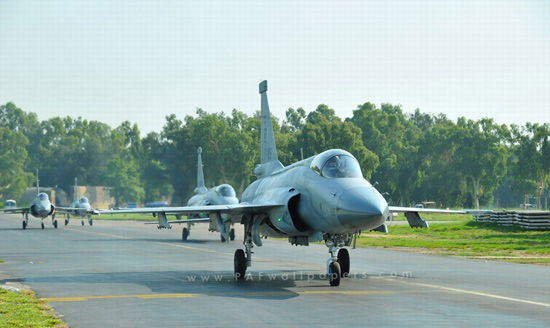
<point>242,260</point>
<point>338,265</point>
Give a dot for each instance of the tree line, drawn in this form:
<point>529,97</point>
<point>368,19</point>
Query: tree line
<point>408,157</point>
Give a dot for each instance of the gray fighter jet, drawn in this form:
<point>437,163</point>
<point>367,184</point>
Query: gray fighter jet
<point>321,198</point>
<point>81,207</point>
<point>40,207</point>
<point>223,194</point>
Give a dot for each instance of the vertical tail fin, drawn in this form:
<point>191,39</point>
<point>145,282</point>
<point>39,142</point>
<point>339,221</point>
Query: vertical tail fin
<point>37,183</point>
<point>200,175</point>
<point>269,159</point>
<point>269,150</point>
<point>75,190</point>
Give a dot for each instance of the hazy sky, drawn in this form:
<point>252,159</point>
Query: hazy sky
<point>142,60</point>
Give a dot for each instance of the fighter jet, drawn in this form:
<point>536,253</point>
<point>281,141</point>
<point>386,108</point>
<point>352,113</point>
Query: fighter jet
<point>40,207</point>
<point>80,206</point>
<point>220,195</point>
<point>322,198</point>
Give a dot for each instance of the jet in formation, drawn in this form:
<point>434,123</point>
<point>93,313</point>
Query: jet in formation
<point>41,207</point>
<point>321,198</point>
<point>223,194</point>
<point>80,207</point>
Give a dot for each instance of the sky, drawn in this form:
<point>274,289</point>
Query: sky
<point>141,60</point>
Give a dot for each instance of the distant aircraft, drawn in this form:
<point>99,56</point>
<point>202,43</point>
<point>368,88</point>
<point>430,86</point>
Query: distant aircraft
<point>223,194</point>
<point>81,206</point>
<point>321,198</point>
<point>40,207</point>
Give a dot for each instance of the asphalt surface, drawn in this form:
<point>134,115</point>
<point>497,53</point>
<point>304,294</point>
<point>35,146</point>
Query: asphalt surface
<point>127,274</point>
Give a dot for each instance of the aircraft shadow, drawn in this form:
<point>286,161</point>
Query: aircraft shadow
<point>176,241</point>
<point>262,285</point>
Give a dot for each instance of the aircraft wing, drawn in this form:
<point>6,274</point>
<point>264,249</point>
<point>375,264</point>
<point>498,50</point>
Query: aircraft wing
<point>416,221</point>
<point>71,210</point>
<point>198,220</point>
<point>16,210</point>
<point>425,210</point>
<point>234,212</point>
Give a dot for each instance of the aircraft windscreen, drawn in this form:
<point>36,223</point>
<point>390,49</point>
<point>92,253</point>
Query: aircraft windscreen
<point>226,191</point>
<point>83,200</point>
<point>42,196</point>
<point>341,166</point>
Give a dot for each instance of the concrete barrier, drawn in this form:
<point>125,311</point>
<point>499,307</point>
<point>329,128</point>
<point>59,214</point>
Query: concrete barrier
<point>532,220</point>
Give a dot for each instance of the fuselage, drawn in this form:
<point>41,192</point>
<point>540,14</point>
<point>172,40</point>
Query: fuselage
<point>316,203</point>
<point>219,195</point>
<point>82,206</point>
<point>41,206</point>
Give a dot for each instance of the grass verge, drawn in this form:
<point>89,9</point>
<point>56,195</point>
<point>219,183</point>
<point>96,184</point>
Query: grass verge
<point>25,310</point>
<point>466,238</point>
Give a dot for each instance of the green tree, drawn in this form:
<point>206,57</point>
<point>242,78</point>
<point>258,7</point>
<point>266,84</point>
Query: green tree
<point>123,177</point>
<point>481,154</point>
<point>13,178</point>
<point>394,139</point>
<point>323,130</point>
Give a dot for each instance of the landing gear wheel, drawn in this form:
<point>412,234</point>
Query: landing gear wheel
<point>82,222</point>
<point>334,273</point>
<point>240,264</point>
<point>222,238</point>
<point>343,260</point>
<point>66,221</point>
<point>42,224</point>
<point>24,224</point>
<point>90,222</point>
<point>184,234</point>
<point>55,224</point>
<point>232,234</point>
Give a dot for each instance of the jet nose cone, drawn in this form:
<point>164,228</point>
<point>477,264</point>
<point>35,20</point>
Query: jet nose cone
<point>362,207</point>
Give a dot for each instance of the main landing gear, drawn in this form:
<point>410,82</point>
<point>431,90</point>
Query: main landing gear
<point>184,234</point>
<point>338,265</point>
<point>230,235</point>
<point>90,220</point>
<point>54,221</point>
<point>25,220</point>
<point>67,218</point>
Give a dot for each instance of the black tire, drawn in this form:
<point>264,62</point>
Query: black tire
<point>91,222</point>
<point>240,264</point>
<point>66,221</point>
<point>222,238</point>
<point>82,221</point>
<point>184,234</point>
<point>343,260</point>
<point>42,225</point>
<point>24,224</point>
<point>55,224</point>
<point>334,273</point>
<point>232,234</point>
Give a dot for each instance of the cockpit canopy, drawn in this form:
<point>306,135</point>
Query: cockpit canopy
<point>336,163</point>
<point>42,196</point>
<point>83,200</point>
<point>226,190</point>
